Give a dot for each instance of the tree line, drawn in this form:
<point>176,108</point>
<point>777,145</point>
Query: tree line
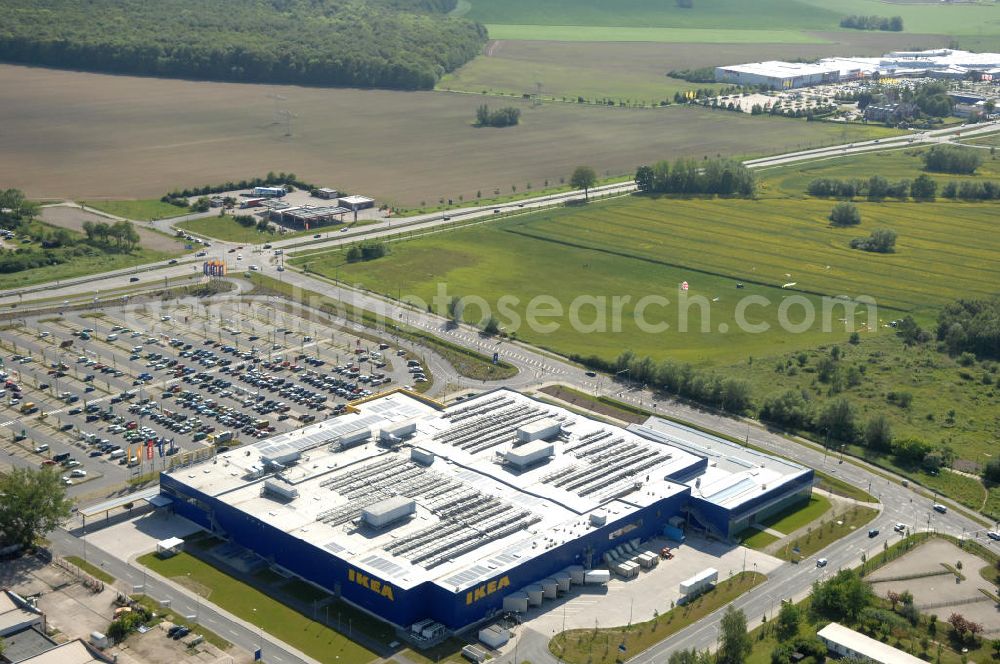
<point>508,116</point>
<point>120,235</point>
<point>179,196</point>
<point>923,188</point>
<point>884,23</point>
<point>399,44</point>
<point>722,177</point>
<point>729,394</point>
<point>971,326</point>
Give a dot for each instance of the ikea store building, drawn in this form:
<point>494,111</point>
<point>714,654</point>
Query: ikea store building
<point>414,512</point>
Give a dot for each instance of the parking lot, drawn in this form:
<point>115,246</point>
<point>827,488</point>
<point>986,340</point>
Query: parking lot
<point>112,396</point>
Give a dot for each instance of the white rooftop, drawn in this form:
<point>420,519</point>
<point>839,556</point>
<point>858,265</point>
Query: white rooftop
<point>881,653</point>
<point>475,517</point>
<point>781,69</point>
<point>896,62</point>
<point>734,475</point>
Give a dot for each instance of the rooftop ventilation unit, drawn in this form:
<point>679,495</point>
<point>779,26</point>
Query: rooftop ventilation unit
<point>543,429</point>
<point>529,454</point>
<point>280,490</point>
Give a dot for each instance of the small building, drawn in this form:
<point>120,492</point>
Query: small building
<point>72,652</point>
<point>16,615</point>
<point>169,547</point>
<point>269,192</point>
<point>326,193</point>
<point>356,203</point>
<point>307,217</point>
<point>845,642</point>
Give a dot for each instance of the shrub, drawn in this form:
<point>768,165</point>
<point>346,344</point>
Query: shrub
<point>881,241</point>
<point>845,214</point>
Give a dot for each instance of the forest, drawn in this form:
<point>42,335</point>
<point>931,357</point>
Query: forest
<point>397,44</point>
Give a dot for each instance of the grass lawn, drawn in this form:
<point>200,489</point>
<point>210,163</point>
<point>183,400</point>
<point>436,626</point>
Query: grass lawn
<point>992,140</point>
<point>226,229</point>
<point>978,19</point>
<point>312,638</point>
<point>600,646</point>
<point>90,569</point>
<point>601,405</point>
<point>83,266</point>
<point>841,488</point>
<point>756,539</point>
<point>796,516</point>
<point>139,210</point>
<point>826,532</point>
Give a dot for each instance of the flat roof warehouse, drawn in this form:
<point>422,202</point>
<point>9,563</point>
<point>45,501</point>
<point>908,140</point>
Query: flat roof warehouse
<point>415,512</point>
<point>783,75</point>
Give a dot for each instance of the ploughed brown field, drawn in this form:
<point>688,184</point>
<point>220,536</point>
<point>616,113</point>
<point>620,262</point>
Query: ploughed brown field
<point>78,135</point>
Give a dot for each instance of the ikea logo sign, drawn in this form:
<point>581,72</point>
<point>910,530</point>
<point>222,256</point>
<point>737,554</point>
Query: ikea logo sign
<point>371,583</point>
<point>482,591</point>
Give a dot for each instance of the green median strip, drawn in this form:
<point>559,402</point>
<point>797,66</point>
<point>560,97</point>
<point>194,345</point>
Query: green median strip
<point>92,570</point>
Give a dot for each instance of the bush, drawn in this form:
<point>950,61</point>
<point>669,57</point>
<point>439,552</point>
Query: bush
<point>952,159</point>
<point>367,251</point>
<point>507,116</point>
<point>881,241</point>
<point>845,214</point>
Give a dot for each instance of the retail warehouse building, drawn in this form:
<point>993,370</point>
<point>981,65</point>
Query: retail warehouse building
<point>939,63</point>
<point>415,512</point>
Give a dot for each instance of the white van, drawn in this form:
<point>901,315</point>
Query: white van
<point>112,337</point>
<point>117,454</point>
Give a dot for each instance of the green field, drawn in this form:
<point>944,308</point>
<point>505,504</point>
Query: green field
<point>645,246</point>
<point>792,180</point>
<point>595,33</point>
<point>635,71</point>
<point>226,229</point>
<point>83,266</point>
<point>144,210</point>
<point>706,14</point>
<point>973,19</point>
<point>259,609</point>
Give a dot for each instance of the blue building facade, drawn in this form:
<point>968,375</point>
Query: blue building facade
<point>456,608</point>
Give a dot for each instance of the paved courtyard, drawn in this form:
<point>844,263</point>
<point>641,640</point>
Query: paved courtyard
<point>639,597</point>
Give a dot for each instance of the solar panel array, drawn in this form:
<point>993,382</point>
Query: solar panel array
<point>467,518</point>
<point>374,482</point>
<point>490,423</point>
<point>607,462</point>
